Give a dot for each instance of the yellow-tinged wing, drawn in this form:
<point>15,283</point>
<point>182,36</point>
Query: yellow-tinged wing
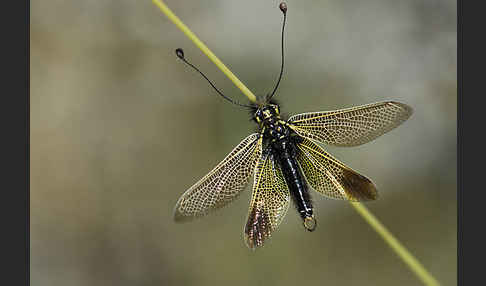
<point>330,177</point>
<point>351,126</point>
<point>224,183</point>
<point>269,203</point>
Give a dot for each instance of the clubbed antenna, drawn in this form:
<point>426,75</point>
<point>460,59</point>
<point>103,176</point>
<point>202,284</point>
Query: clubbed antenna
<point>283,8</point>
<point>180,55</point>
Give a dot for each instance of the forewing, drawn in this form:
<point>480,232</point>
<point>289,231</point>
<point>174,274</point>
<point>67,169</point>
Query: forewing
<point>223,184</point>
<point>269,203</point>
<point>330,177</point>
<point>351,126</point>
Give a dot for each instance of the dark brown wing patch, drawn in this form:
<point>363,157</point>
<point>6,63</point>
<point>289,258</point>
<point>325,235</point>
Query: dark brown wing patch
<point>332,178</point>
<point>358,186</point>
<point>269,203</point>
<point>257,228</point>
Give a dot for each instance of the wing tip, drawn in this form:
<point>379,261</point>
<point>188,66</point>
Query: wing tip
<point>178,215</point>
<point>250,243</point>
<point>358,187</point>
<point>254,243</point>
<point>407,109</point>
<point>257,229</point>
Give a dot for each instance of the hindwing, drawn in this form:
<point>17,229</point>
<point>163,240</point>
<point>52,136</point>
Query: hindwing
<point>331,178</point>
<point>269,202</point>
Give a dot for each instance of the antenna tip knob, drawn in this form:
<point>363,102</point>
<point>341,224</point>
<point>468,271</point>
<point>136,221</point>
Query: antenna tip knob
<point>179,53</point>
<point>283,7</point>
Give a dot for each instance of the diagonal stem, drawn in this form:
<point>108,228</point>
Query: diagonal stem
<point>402,252</point>
<point>204,49</point>
<point>417,268</point>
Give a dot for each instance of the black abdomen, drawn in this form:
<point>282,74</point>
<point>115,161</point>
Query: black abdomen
<point>285,156</point>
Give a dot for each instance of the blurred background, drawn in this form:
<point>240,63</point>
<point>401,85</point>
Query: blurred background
<point>120,128</point>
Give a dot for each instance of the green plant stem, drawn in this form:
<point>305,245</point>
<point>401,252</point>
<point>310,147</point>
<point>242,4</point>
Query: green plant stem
<point>402,252</point>
<point>204,49</point>
<point>395,245</point>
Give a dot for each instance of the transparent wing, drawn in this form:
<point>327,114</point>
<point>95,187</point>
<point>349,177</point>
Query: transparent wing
<point>223,184</point>
<point>351,126</point>
<point>269,203</point>
<point>332,178</point>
